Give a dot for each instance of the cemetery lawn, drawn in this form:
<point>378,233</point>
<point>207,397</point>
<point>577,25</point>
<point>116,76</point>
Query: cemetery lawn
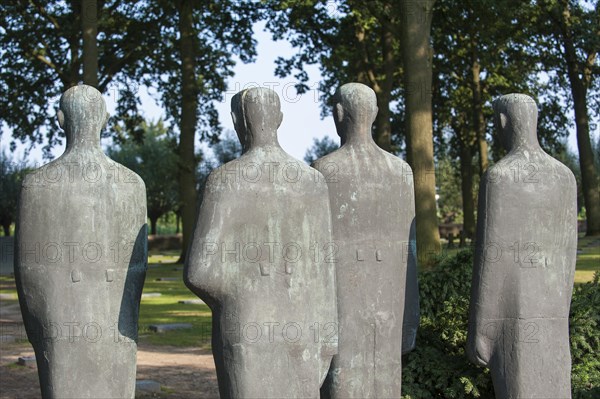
<point>588,258</point>
<point>166,309</point>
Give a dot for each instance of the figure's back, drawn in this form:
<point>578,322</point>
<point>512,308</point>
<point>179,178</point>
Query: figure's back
<point>529,258</point>
<point>80,266</point>
<point>262,258</point>
<point>379,186</point>
<point>524,270</point>
<point>372,208</point>
<point>532,245</point>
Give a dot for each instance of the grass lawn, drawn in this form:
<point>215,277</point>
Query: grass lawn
<point>167,309</point>
<point>588,258</point>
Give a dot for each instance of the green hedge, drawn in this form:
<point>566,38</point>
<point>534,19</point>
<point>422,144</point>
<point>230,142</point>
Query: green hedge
<point>439,368</point>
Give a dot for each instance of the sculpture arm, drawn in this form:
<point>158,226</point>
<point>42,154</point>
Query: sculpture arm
<point>412,309</point>
<point>204,271</point>
<point>479,346</point>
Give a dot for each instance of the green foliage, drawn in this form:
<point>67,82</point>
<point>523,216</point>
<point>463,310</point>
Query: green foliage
<point>351,41</point>
<point>155,160</point>
<point>449,189</point>
<point>41,56</point>
<point>222,30</point>
<point>439,368</point>
<point>138,44</point>
<point>11,175</point>
<point>320,148</point>
<point>585,339</point>
<point>226,149</point>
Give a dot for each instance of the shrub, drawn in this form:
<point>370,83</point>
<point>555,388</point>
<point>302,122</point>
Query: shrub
<point>439,368</point>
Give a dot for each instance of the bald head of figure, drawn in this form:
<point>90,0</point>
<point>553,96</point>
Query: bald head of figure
<point>354,110</point>
<point>82,114</point>
<point>256,115</point>
<point>515,117</point>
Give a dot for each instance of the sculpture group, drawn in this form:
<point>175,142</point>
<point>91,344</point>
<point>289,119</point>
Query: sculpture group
<point>310,272</point>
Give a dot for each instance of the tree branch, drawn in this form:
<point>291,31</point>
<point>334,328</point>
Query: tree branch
<point>45,14</point>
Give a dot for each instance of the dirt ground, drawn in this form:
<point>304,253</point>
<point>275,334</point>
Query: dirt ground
<point>182,372</point>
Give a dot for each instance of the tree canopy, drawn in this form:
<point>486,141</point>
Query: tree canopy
<point>154,159</point>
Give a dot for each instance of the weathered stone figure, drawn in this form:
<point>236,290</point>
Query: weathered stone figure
<point>524,263</point>
<point>372,203</point>
<point>80,260</point>
<point>262,259</point>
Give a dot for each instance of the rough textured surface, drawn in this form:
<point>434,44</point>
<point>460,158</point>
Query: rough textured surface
<point>262,259</point>
<point>373,211</point>
<point>524,263</point>
<point>80,260</point>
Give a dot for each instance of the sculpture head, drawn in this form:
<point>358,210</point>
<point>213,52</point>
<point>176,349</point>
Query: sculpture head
<point>354,110</point>
<point>256,115</point>
<point>515,117</point>
<point>82,115</point>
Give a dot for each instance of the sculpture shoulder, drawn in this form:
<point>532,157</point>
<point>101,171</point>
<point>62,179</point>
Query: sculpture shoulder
<point>563,171</point>
<point>41,175</point>
<point>86,173</point>
<point>322,164</point>
<point>533,168</point>
<point>217,178</point>
<point>397,165</point>
<point>125,175</point>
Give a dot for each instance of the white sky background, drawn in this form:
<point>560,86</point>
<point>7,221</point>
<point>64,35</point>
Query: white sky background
<point>301,113</point>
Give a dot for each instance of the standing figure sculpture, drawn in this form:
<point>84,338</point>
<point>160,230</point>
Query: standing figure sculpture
<point>80,260</point>
<point>524,263</point>
<point>262,259</point>
<point>373,212</point>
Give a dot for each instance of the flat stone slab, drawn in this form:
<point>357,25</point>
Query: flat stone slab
<point>146,386</point>
<point>8,296</point>
<point>28,361</point>
<point>159,328</point>
<point>151,295</point>
<point>192,302</point>
<point>168,279</point>
<point>178,269</point>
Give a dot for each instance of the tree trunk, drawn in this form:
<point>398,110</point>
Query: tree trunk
<point>383,123</point>
<point>89,27</point>
<point>153,220</point>
<point>478,117</point>
<point>466,185</point>
<point>416,54</point>
<point>589,178</point>
<point>189,105</point>
<point>383,89</point>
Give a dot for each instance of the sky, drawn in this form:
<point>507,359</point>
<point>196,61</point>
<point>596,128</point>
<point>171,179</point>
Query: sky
<point>301,113</point>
